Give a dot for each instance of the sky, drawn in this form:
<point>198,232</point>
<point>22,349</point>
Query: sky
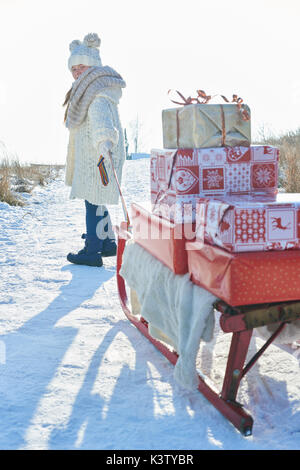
<point>250,48</point>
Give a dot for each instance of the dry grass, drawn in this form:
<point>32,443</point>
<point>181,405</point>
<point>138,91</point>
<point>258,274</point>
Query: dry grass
<point>6,194</point>
<point>16,178</point>
<point>290,165</point>
<point>289,158</point>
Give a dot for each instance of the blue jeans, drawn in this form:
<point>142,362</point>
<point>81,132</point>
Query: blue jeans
<point>98,224</point>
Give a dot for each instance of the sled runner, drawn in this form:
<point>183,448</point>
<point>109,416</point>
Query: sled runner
<point>240,321</point>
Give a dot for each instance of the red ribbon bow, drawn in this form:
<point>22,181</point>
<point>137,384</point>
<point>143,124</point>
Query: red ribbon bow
<point>203,98</point>
<point>239,102</point>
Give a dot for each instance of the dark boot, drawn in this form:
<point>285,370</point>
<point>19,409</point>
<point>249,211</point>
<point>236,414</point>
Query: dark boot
<point>108,247</point>
<point>90,255</point>
<point>98,223</point>
<point>99,237</point>
<point>106,233</point>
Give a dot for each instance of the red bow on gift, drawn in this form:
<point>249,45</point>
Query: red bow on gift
<point>238,101</point>
<point>201,95</point>
<point>203,98</point>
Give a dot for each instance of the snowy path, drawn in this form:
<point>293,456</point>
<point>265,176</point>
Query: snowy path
<point>75,374</point>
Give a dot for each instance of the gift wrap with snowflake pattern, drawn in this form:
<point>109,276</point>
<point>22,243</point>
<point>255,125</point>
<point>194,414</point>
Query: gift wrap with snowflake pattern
<point>179,177</point>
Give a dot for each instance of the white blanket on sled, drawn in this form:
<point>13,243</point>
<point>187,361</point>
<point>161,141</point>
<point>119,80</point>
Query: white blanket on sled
<point>178,312</point>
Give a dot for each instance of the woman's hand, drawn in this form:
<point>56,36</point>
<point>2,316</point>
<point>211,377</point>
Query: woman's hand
<point>105,147</point>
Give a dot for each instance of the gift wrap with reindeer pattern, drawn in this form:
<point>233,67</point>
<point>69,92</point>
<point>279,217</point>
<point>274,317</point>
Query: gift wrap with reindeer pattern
<point>205,125</point>
<point>247,223</point>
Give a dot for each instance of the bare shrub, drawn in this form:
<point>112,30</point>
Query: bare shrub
<point>22,178</point>
<point>6,194</point>
<point>290,166</point>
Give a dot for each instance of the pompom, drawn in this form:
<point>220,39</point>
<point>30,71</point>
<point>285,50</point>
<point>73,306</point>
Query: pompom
<point>74,44</point>
<point>92,40</point>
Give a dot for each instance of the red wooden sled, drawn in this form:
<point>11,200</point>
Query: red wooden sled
<point>238,321</point>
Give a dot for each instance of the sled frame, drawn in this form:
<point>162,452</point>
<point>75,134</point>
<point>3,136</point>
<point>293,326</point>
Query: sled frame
<point>241,329</point>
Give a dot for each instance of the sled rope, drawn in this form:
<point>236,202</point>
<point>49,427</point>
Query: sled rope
<point>105,181</point>
<point>125,211</point>
<point>162,193</point>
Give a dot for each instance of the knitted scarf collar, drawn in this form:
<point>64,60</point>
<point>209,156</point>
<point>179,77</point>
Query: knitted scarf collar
<point>84,90</point>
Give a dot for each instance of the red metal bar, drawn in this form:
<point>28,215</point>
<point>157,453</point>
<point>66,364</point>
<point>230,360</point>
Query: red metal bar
<point>232,323</point>
<point>232,411</point>
<point>262,349</point>
<point>237,354</point>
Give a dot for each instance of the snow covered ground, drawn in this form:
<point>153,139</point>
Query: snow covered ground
<point>75,374</point>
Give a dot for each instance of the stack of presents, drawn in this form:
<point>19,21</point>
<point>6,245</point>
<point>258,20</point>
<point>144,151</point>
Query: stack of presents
<point>216,212</point>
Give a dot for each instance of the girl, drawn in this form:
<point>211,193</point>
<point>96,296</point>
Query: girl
<point>93,121</point>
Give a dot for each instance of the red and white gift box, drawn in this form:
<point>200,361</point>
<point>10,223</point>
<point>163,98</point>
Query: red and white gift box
<point>179,177</point>
<point>248,223</point>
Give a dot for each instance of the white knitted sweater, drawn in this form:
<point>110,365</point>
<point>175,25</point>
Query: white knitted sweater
<point>86,144</point>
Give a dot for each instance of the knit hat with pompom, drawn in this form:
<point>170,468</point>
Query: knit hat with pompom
<point>86,52</point>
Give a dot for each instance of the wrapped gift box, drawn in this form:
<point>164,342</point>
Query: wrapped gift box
<point>162,238</point>
<point>204,126</point>
<point>179,177</point>
<point>245,278</point>
<point>247,223</point>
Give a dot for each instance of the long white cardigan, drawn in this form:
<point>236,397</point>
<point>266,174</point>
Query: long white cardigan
<point>86,144</point>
